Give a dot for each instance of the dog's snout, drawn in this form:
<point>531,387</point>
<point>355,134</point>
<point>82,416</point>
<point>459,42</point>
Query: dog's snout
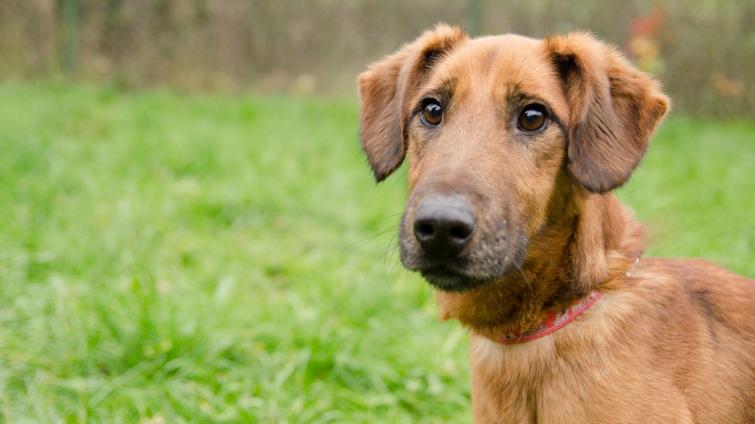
<point>444,226</point>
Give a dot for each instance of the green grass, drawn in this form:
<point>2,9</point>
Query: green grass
<point>169,258</point>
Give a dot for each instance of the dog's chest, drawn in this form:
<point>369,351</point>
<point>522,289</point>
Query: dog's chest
<point>533,383</point>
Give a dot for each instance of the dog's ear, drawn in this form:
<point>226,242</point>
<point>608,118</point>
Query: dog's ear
<point>385,90</point>
<point>614,109</point>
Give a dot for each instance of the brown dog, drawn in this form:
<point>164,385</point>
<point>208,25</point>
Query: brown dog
<point>514,145</point>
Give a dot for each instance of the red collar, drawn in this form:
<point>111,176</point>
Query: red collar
<point>553,322</point>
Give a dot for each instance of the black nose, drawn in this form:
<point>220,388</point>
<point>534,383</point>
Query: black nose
<point>444,225</point>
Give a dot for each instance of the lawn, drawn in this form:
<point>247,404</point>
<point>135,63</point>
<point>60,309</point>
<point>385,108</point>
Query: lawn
<point>167,257</point>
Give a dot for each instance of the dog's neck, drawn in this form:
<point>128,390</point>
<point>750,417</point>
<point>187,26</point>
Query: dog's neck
<point>588,240</point>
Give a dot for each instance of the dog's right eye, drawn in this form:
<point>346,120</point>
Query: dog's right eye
<point>432,112</point>
<point>533,118</point>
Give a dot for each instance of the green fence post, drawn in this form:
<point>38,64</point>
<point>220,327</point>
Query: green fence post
<point>70,35</point>
<point>474,17</point>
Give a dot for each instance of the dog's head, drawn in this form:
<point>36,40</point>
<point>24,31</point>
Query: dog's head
<point>494,129</point>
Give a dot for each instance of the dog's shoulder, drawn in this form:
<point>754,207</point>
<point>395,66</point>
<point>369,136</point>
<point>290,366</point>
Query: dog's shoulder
<point>699,291</point>
<point>708,284</point>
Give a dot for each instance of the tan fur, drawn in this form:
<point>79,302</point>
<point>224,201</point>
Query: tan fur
<point>671,341</point>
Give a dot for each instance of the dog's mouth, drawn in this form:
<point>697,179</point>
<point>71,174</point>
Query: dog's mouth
<point>445,278</point>
<point>465,273</point>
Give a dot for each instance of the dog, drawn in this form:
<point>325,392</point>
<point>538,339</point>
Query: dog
<point>514,145</point>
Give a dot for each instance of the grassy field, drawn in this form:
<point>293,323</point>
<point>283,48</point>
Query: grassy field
<point>168,258</point>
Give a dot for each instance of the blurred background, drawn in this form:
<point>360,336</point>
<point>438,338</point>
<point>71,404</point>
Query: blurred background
<point>189,231</point>
<point>704,51</point>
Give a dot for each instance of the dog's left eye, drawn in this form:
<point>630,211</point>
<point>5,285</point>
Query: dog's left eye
<point>532,118</point>
<point>432,112</point>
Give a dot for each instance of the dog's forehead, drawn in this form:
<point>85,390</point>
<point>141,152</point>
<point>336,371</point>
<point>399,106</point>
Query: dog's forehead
<point>508,55</point>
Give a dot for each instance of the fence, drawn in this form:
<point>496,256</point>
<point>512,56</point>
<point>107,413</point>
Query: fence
<point>703,50</point>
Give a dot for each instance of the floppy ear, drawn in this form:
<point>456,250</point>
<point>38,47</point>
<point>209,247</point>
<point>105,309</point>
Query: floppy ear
<point>614,109</point>
<point>385,90</point>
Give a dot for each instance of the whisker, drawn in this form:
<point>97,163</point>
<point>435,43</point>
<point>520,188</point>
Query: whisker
<point>390,252</point>
<point>372,237</point>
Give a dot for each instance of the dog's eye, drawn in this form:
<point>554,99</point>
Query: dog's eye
<point>532,118</point>
<point>432,112</point>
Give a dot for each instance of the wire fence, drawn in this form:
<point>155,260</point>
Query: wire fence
<point>703,50</point>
